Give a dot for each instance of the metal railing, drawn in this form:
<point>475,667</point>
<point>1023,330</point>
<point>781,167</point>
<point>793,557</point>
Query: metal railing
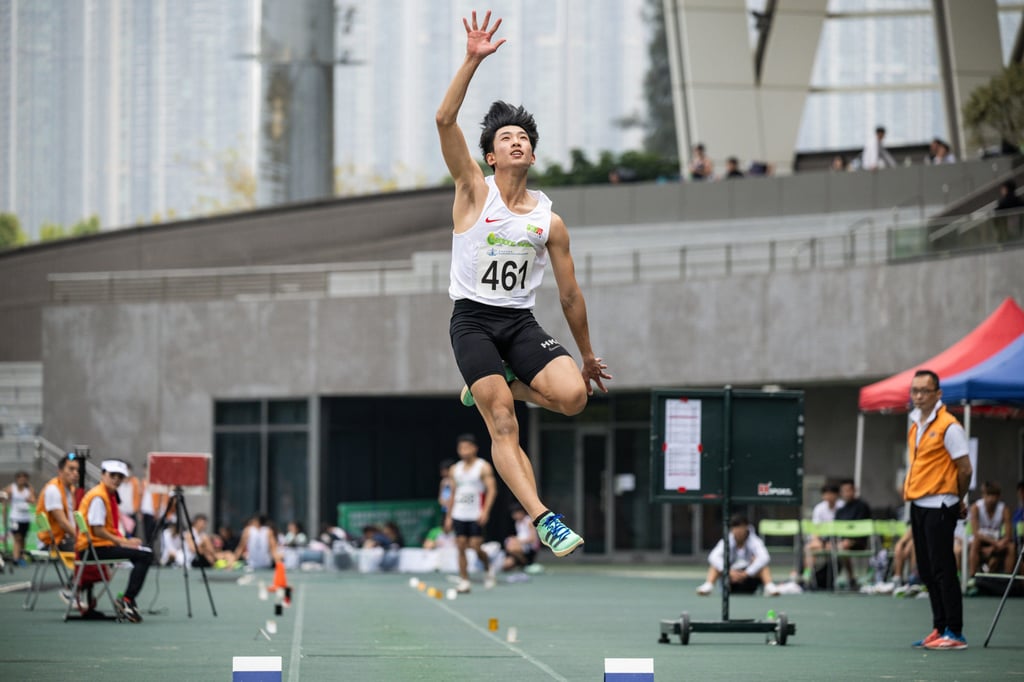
<point>863,243</point>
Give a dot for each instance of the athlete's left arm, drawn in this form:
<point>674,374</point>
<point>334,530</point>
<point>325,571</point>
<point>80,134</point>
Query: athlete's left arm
<point>487,474</point>
<point>573,306</point>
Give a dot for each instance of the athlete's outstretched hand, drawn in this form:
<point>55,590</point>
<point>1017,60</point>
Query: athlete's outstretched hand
<point>478,38</point>
<point>594,370</point>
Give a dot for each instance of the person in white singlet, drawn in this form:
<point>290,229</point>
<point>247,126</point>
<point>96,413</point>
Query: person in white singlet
<point>258,544</point>
<point>472,499</point>
<point>504,236</point>
<point>21,498</point>
<point>521,548</point>
<point>992,541</point>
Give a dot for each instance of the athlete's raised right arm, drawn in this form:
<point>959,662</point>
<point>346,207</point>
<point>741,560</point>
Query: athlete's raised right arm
<point>465,172</point>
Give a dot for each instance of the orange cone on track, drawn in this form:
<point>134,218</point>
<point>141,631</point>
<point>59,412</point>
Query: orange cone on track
<point>280,579</point>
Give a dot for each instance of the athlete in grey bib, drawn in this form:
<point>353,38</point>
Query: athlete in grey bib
<point>504,236</point>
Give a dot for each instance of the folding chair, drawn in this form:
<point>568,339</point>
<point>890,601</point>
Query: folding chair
<point>824,531</point>
<point>88,558</point>
<point>852,530</point>
<point>778,528</point>
<point>41,558</point>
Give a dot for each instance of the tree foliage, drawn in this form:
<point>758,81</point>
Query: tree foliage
<point>11,233</point>
<point>630,166</point>
<point>51,231</point>
<point>90,225</point>
<point>994,113</point>
<point>660,128</point>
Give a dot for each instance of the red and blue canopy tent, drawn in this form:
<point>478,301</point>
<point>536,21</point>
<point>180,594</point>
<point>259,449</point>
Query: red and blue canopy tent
<point>987,366</point>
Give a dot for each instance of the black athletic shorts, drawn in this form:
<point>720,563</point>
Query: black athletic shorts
<point>467,529</point>
<point>20,529</point>
<point>484,335</point>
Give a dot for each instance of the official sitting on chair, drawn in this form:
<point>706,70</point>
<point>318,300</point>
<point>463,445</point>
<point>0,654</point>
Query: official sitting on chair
<point>99,506</point>
<point>748,565</point>
<point>57,501</point>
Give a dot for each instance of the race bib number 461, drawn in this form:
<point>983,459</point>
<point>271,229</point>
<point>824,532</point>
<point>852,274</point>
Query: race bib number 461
<point>504,271</point>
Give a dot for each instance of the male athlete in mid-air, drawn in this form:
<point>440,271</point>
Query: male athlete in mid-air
<point>503,237</point>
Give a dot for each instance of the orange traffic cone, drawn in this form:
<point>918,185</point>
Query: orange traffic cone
<point>280,579</point>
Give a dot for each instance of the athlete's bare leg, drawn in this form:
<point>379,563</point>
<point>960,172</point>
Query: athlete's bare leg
<point>558,387</point>
<point>460,544</point>
<point>494,400</point>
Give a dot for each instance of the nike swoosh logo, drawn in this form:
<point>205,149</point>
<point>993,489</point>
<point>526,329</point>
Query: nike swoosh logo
<point>491,220</point>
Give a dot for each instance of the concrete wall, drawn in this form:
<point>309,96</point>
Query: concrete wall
<point>130,378</point>
<point>394,226</point>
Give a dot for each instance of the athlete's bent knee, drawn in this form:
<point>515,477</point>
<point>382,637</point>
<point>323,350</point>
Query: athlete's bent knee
<point>574,402</point>
<point>505,424</point>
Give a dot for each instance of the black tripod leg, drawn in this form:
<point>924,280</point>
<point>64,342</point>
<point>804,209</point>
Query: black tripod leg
<point>183,522</point>
<point>202,569</point>
<point>1006,593</point>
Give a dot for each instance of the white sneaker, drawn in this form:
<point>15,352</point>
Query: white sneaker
<point>885,588</point>
<point>772,590</point>
<point>790,588</point>
<point>489,581</point>
<point>463,587</point>
<point>705,589</point>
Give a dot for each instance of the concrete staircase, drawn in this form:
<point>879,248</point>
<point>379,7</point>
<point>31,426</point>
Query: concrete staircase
<point>21,414</point>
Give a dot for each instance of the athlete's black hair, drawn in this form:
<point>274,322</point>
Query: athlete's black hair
<point>503,114</point>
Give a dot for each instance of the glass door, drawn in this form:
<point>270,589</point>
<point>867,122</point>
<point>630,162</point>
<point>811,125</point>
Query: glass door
<point>593,465</point>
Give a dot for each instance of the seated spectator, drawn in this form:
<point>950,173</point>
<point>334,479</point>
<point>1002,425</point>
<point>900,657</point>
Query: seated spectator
<point>258,544</point>
<point>853,509</point>
<point>991,545</point>
<point>171,547</point>
<point>748,564</point>
<point>99,507</point>
<point>823,512</point>
<point>374,537</point>
<point>436,538</point>
<point>394,534</point>
<point>521,548</point>
<point>904,564</point>
<point>839,164</point>
<point>760,169</point>
<point>57,501</point>
<point>226,540</point>
<point>732,168</point>
<point>199,546</point>
<point>294,535</point>
<point>701,167</point>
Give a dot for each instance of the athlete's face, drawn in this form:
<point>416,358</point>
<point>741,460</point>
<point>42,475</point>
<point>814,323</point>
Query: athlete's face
<point>511,148</point>
<point>466,450</point>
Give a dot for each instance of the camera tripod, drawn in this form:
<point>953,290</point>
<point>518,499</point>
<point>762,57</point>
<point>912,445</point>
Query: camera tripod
<point>1006,593</point>
<point>184,524</point>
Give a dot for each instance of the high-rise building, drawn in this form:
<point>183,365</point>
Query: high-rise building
<point>123,109</point>
<point>577,66</point>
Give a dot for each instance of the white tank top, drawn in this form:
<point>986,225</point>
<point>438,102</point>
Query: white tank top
<point>500,261</point>
<point>990,525</point>
<point>258,546</point>
<point>469,490</point>
<point>21,510</point>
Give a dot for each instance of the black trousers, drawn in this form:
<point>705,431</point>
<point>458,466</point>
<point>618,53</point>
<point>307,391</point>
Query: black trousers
<point>141,558</point>
<point>933,545</point>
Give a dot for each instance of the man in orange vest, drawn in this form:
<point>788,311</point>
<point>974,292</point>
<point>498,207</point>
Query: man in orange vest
<point>100,508</point>
<point>938,477</point>
<point>56,500</point>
